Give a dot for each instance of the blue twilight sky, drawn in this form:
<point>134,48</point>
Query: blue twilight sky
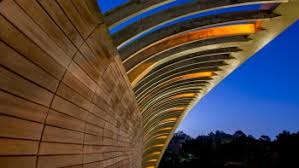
<point>260,97</point>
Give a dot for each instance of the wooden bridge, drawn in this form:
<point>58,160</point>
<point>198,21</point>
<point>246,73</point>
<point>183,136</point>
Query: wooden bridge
<point>74,95</point>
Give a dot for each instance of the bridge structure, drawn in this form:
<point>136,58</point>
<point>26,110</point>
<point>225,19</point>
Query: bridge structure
<point>74,94</point>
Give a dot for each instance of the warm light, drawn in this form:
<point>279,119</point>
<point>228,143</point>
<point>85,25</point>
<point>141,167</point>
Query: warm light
<point>165,129</point>
<point>159,145</point>
<point>195,75</point>
<point>180,108</point>
<point>150,167</point>
<point>170,119</point>
<point>153,160</point>
<point>221,31</point>
<point>156,146</point>
<point>162,137</point>
<point>214,32</point>
<point>185,95</point>
<point>139,70</point>
<point>258,25</point>
<point>155,153</point>
<point>175,109</point>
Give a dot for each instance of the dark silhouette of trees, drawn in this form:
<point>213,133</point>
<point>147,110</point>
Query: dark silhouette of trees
<point>265,138</point>
<point>219,149</point>
<point>239,134</point>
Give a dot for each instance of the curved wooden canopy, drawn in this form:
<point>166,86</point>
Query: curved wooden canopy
<point>171,67</point>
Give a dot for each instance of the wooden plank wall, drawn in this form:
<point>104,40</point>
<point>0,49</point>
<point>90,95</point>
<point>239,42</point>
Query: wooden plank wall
<point>64,98</point>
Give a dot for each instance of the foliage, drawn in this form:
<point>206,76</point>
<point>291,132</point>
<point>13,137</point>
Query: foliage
<point>219,149</point>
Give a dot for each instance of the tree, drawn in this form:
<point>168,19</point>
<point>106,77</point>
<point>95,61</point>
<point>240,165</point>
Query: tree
<point>239,134</point>
<point>218,150</point>
<point>265,138</point>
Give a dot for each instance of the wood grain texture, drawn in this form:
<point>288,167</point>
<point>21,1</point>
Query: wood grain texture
<point>61,19</point>
<point>64,99</point>
<point>25,46</point>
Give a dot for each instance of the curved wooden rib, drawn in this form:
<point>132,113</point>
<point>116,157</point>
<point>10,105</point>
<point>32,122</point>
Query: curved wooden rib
<point>167,97</point>
<point>166,92</point>
<point>159,128</point>
<point>189,58</point>
<point>191,83</point>
<point>131,9</point>
<point>132,45</point>
<point>174,78</point>
<point>153,21</point>
<point>191,25</point>
<point>156,103</point>
<point>171,68</point>
<point>202,58</point>
<point>230,30</point>
<point>186,49</point>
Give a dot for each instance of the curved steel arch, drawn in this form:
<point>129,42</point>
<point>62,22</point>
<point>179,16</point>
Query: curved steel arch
<point>151,107</point>
<point>178,84</point>
<point>199,54</point>
<point>158,129</point>
<point>198,44</point>
<point>192,83</point>
<point>201,44</point>
<point>165,92</point>
<point>195,82</point>
<point>169,85</point>
<point>188,57</point>
<point>150,150</point>
<point>161,112</point>
<point>159,125</point>
<point>203,79</point>
<point>188,37</point>
<point>135,74</point>
<point>203,62</point>
<point>131,9</point>
<point>153,21</point>
<point>211,67</point>
<point>148,123</point>
<point>165,105</point>
<point>209,55</point>
<point>190,25</point>
<point>165,84</point>
<point>161,119</point>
